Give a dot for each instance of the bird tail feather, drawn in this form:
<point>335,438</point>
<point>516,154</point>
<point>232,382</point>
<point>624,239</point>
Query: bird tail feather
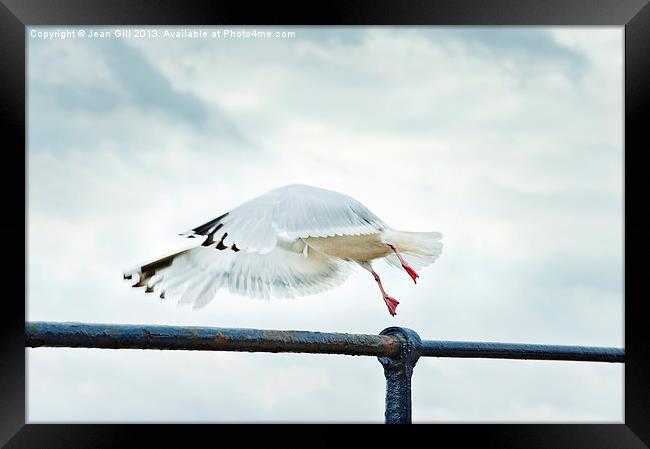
<point>418,248</point>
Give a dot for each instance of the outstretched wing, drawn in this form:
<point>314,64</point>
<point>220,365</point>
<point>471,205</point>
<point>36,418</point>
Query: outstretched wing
<point>291,212</point>
<point>195,275</point>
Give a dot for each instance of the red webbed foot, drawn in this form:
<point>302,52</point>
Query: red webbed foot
<point>391,303</point>
<point>411,273</point>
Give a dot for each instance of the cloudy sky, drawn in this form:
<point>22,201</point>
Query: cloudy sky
<point>509,141</point>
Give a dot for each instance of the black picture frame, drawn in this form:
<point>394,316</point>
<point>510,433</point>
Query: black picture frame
<point>634,15</point>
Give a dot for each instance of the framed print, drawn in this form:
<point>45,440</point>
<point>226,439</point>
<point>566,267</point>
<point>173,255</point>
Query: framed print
<point>460,174</point>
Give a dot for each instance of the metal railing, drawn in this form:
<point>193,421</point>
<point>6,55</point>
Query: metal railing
<point>398,349</point>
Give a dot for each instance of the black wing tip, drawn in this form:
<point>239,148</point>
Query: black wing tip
<point>206,227</point>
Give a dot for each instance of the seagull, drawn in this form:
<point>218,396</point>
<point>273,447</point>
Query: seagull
<point>292,241</point>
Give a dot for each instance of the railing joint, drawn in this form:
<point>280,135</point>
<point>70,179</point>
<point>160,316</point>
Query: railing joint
<point>398,371</point>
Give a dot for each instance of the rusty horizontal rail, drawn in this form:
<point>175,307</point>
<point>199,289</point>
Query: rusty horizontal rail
<point>128,336</point>
<point>484,350</point>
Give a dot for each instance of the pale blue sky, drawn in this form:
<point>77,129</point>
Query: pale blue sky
<point>509,141</point>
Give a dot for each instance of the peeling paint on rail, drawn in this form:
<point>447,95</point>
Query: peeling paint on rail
<point>110,336</point>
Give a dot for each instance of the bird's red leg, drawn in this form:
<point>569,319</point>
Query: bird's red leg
<point>391,302</point>
<point>405,264</point>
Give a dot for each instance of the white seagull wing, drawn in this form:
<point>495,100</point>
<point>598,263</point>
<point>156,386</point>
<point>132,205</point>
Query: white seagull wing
<point>291,212</point>
<point>195,275</point>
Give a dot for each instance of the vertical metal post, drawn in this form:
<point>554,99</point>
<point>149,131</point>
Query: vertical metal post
<point>398,371</point>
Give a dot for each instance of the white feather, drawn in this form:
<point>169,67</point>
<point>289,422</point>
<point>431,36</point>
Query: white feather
<point>295,211</point>
<point>196,275</point>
